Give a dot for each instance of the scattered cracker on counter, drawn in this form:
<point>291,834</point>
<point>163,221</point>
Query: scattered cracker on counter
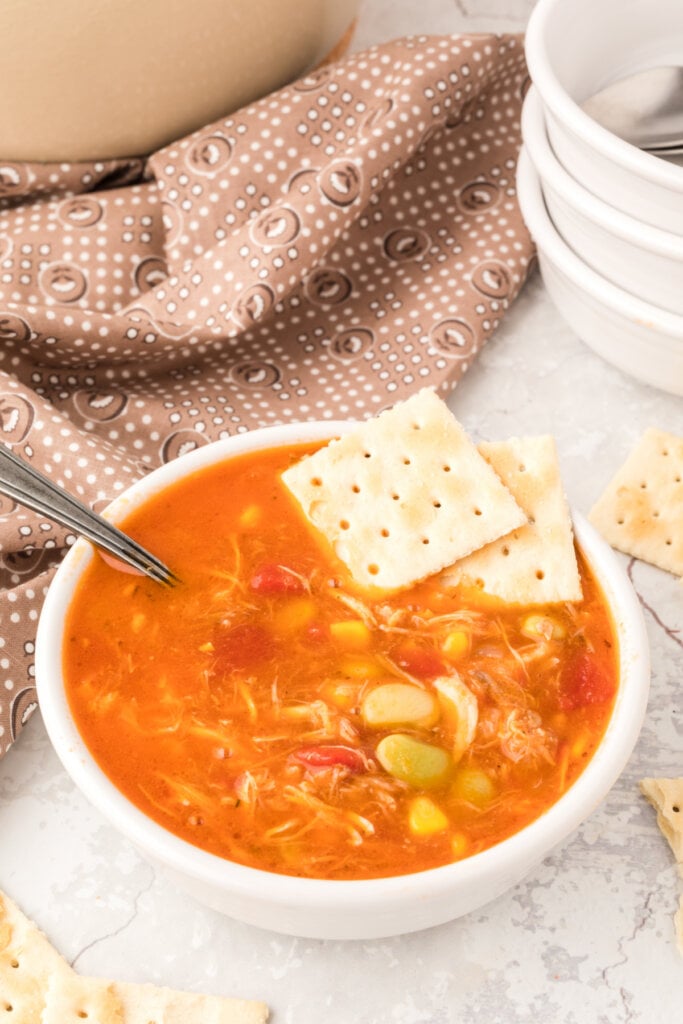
<point>641,510</point>
<point>666,796</point>
<point>27,962</point>
<point>37,986</point>
<point>536,563</point>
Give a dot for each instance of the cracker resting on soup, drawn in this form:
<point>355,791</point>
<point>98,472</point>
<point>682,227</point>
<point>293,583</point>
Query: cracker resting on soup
<point>403,495</point>
<point>535,563</point>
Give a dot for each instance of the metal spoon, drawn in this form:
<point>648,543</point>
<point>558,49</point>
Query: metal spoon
<point>645,109</point>
<point>20,481</point>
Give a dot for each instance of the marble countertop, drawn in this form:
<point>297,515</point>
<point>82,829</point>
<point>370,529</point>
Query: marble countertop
<point>587,937</point>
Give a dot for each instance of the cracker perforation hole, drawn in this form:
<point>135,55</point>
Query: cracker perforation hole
<point>316,481</point>
<point>406,460</point>
<point>436,504</point>
<point>521,468</point>
<point>477,512</point>
<point>8,1007</point>
<point>373,569</point>
<point>384,532</point>
<point>344,524</point>
<point>446,468</point>
<point>540,574</point>
<point>395,497</point>
<point>355,488</point>
<point>14,963</point>
<point>82,1014</point>
<point>425,540</point>
<point>506,551</point>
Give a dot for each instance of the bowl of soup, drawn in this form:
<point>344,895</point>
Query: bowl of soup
<point>312,757</point>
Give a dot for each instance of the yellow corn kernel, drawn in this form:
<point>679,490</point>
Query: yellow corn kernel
<point>138,622</point>
<point>456,644</point>
<point>360,668</point>
<point>343,693</point>
<point>207,648</point>
<point>352,633</point>
<point>474,786</point>
<point>425,818</point>
<point>250,517</point>
<point>542,627</point>
<point>558,721</point>
<point>580,744</point>
<point>458,845</point>
<point>294,614</point>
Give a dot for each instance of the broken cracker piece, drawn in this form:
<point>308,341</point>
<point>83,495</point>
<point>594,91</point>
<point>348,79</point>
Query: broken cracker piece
<point>666,796</point>
<point>536,563</point>
<point>37,986</point>
<point>71,999</point>
<point>641,510</point>
<point>74,999</point>
<point>144,1003</point>
<point>27,962</point>
<point>403,495</point>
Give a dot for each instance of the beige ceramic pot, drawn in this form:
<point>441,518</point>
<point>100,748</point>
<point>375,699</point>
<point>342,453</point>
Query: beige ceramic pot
<point>118,78</point>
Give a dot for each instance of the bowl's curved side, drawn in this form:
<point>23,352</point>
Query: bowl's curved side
<point>631,334</point>
<point>546,29</point>
<point>624,226</point>
<point>354,909</point>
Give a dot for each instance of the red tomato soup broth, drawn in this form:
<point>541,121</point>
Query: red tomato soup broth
<point>270,712</point>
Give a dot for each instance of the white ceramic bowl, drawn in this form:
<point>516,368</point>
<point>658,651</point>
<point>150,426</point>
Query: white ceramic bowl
<point>574,48</point>
<point>640,339</point>
<point>645,261</point>
<point>342,909</point>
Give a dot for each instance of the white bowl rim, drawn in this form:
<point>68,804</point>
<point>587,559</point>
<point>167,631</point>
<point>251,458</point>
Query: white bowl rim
<point>638,233</point>
<point>570,115</point>
<point>669,326</point>
<point>500,861</point>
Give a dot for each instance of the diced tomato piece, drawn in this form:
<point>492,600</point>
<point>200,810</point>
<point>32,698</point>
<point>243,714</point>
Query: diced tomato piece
<point>271,579</point>
<point>584,682</point>
<point>242,646</point>
<point>422,662</point>
<point>332,756</point>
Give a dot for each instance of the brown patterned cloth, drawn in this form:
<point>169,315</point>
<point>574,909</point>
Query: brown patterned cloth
<point>321,253</point>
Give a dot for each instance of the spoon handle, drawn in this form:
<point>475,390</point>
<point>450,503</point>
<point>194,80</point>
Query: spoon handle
<point>20,481</point>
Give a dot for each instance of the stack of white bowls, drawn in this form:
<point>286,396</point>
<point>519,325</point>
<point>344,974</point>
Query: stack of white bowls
<point>607,217</point>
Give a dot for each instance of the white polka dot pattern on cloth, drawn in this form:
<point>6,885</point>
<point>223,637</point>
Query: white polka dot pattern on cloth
<point>319,254</point>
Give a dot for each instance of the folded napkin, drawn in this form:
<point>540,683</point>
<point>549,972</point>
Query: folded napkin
<point>321,253</point>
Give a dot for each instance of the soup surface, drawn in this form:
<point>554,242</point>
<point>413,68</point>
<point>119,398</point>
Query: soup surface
<point>269,711</point>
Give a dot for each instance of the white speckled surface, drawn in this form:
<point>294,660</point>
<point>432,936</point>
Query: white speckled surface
<point>587,938</point>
